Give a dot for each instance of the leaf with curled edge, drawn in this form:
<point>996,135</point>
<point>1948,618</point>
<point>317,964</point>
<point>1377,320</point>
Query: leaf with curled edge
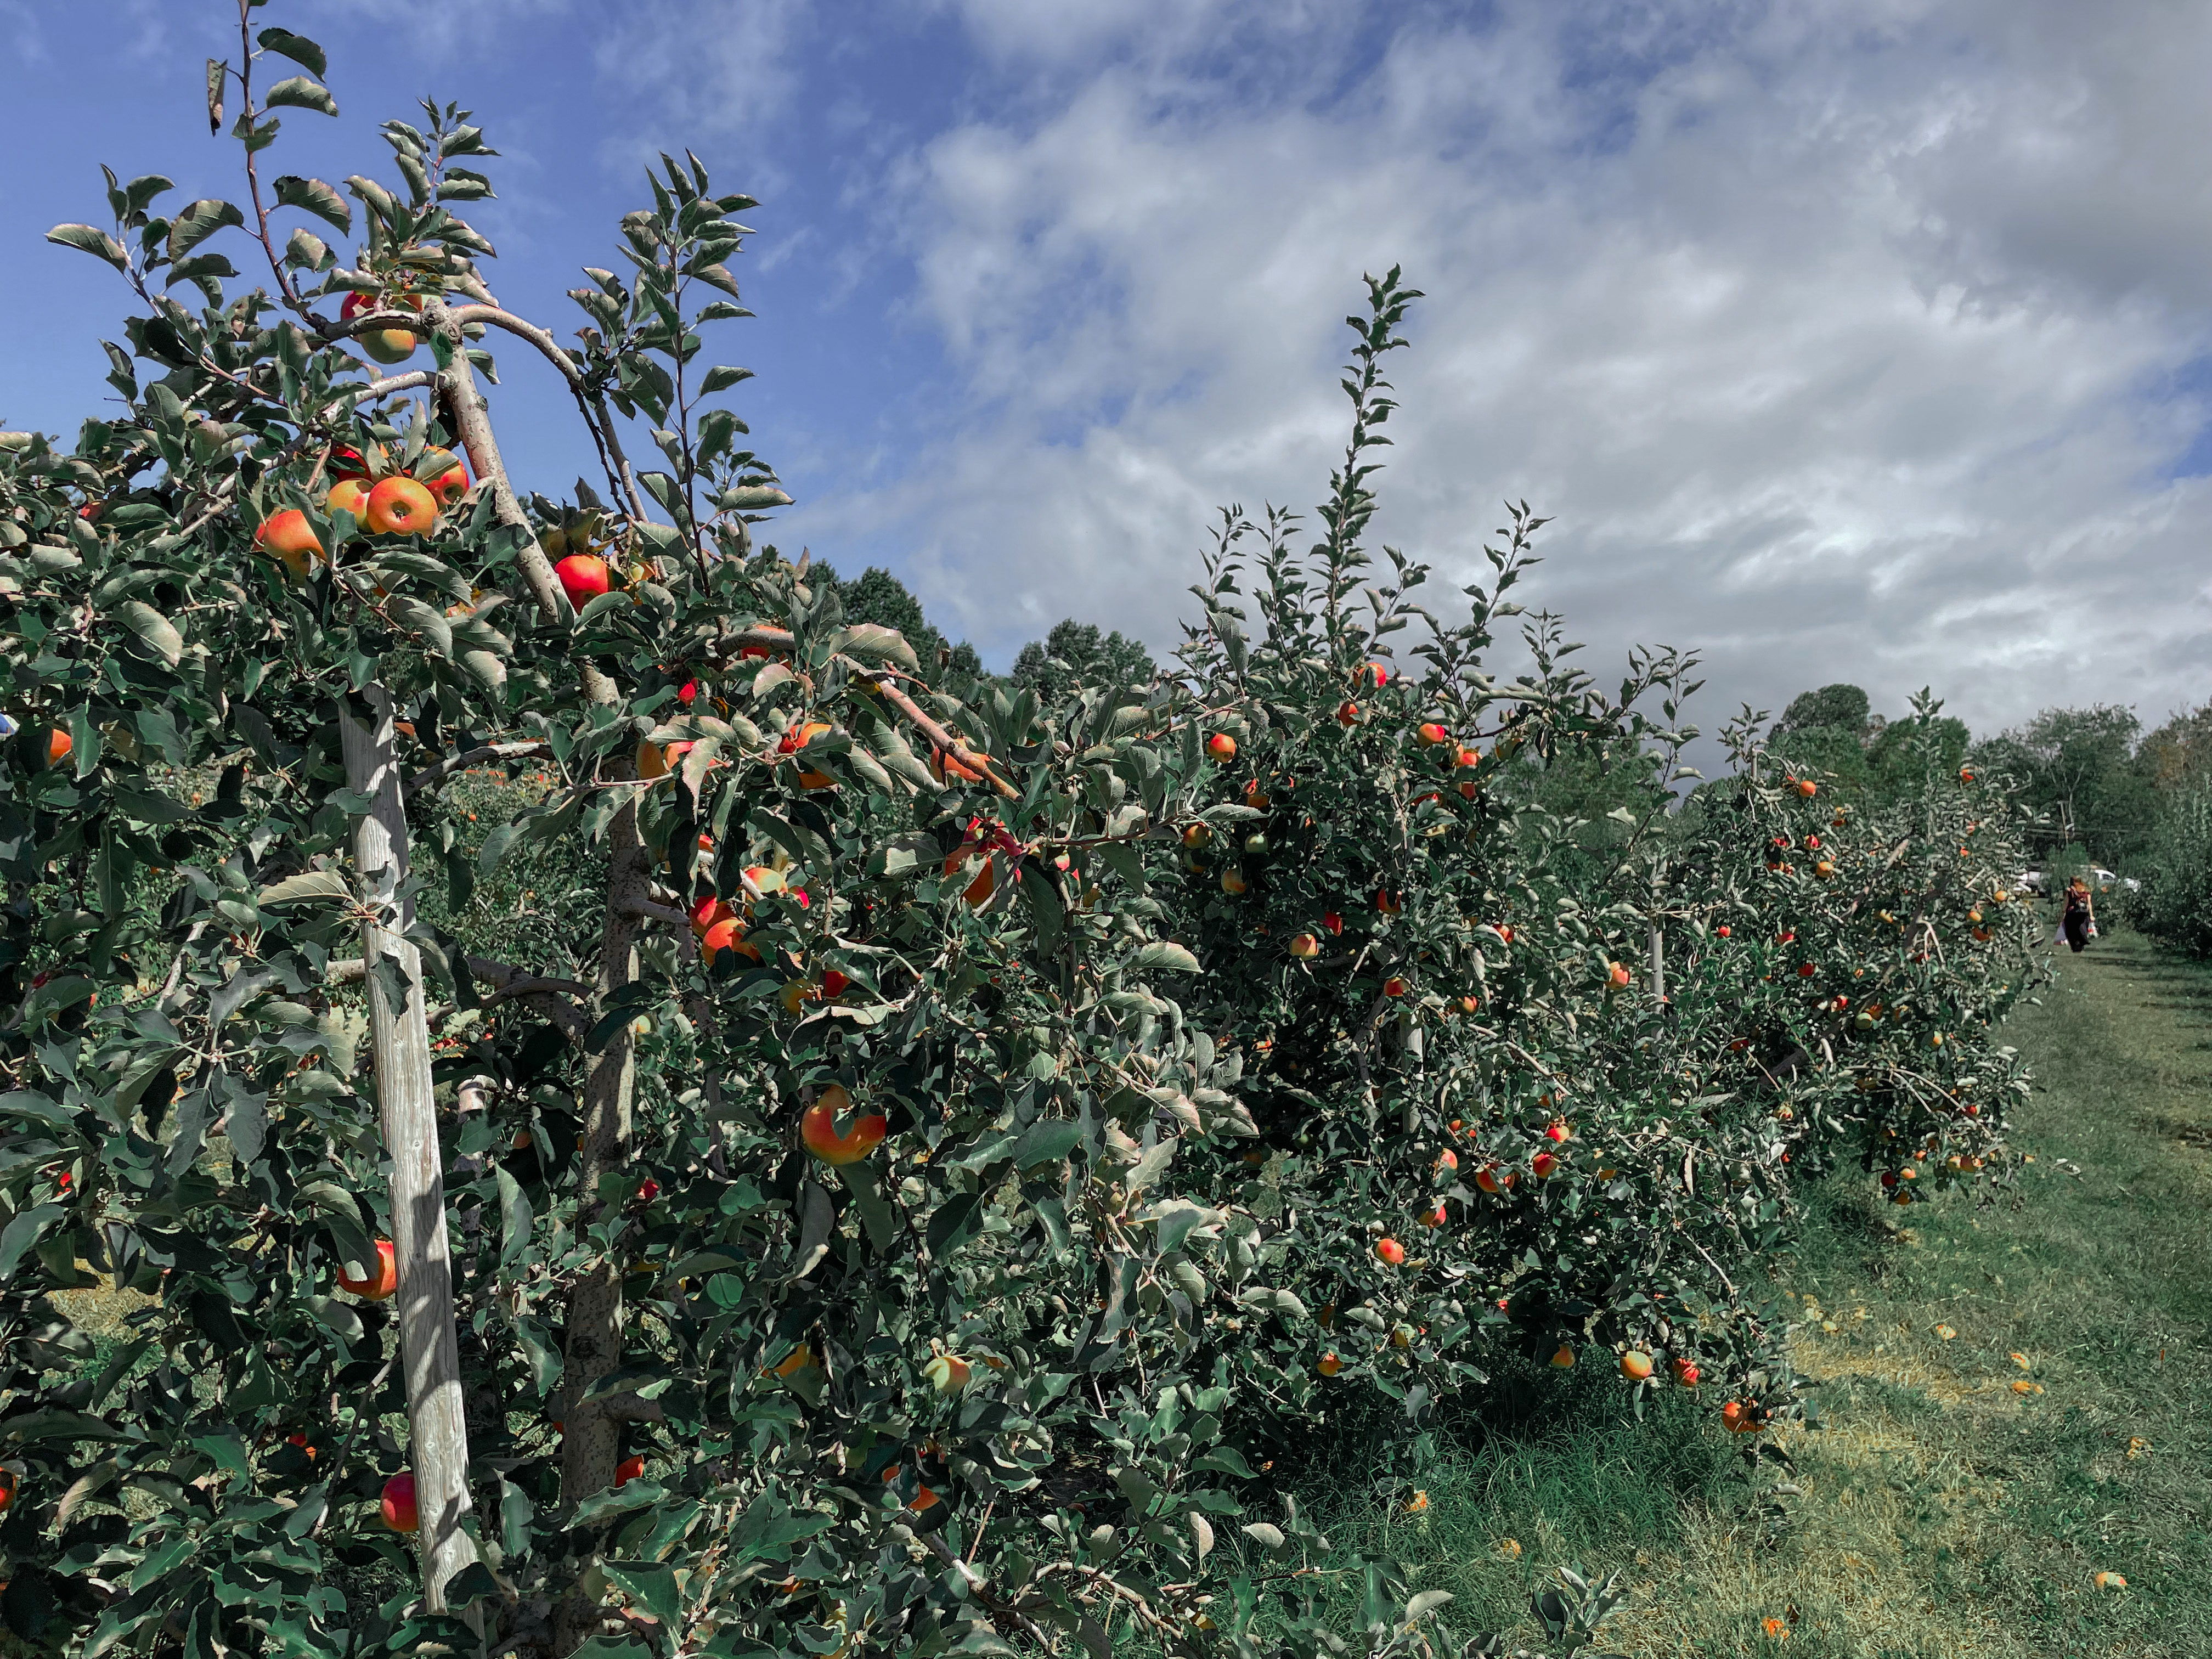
<point>297,47</point>
<point>153,631</point>
<point>1164,953</point>
<point>97,243</point>
<point>424,620</point>
<point>325,885</point>
<point>301,92</point>
<point>870,643</point>
<point>313,196</point>
<point>198,221</point>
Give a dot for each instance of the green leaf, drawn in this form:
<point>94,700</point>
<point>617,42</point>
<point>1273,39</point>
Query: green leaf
<point>144,188</point>
<point>300,93</point>
<point>197,222</point>
<point>199,268</point>
<point>424,620</point>
<point>214,78</point>
<point>1047,1142</point>
<point>751,498</point>
<point>326,885</point>
<point>97,242</point>
<point>870,643</point>
<point>155,635</point>
<point>515,1513</point>
<point>651,1583</point>
<point>313,196</point>
<point>513,1218</point>
<point>958,1220</point>
<point>297,47</point>
<point>24,1231</point>
<point>1164,953</point>
<point>721,377</point>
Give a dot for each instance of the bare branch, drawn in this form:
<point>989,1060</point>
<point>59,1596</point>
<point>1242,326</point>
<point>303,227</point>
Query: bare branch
<point>588,399</point>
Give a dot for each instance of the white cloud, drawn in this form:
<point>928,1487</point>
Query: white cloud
<point>1827,332</point>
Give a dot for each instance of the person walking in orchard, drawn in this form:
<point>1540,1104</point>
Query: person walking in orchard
<point>2080,920</point>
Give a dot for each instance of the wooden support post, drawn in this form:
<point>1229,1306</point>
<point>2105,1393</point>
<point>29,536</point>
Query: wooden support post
<point>1658,964</point>
<point>438,1445</point>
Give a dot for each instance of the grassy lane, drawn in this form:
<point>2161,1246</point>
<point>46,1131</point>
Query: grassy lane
<point>1946,1515</point>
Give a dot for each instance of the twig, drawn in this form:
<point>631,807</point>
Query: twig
<point>452,763</point>
<point>977,1585</point>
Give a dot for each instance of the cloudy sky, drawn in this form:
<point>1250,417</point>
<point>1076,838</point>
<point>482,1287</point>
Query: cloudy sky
<point>1857,341</point>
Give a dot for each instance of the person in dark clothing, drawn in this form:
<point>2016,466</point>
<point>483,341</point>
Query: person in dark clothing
<point>2081,915</point>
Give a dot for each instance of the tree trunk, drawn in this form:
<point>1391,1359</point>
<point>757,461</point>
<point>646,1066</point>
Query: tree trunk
<point>592,1442</point>
<point>438,1447</point>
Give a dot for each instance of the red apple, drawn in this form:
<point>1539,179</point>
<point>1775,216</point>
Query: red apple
<point>58,745</point>
<point>398,1504</point>
<point>399,507</point>
<point>1430,733</point>
<point>381,1282</point>
<point>727,934</point>
<point>443,475</point>
<point>1305,945</point>
<point>583,577</point>
<point>1391,1251</point>
<point>348,495</point>
<point>1333,921</point>
<point>1221,746</point>
<point>818,1127</point>
<point>628,1470</point>
<point>286,535</point>
<point>1636,1365</point>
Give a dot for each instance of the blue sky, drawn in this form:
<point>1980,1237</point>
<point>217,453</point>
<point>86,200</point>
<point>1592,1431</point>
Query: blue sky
<point>1843,341</point>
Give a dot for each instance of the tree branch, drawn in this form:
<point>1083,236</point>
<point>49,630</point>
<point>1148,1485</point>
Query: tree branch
<point>587,398</point>
<point>452,763</point>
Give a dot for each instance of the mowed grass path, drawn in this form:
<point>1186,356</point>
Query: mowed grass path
<point>1944,1514</point>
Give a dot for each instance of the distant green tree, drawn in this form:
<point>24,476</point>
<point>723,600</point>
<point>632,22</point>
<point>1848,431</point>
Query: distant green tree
<point>2079,767</point>
<point>2179,755</point>
<point>1838,707</point>
<point>878,597</point>
<point>1824,732</point>
<point>1078,652</point>
<point>1897,763</point>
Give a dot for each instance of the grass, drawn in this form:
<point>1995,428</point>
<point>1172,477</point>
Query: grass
<point>1943,1515</point>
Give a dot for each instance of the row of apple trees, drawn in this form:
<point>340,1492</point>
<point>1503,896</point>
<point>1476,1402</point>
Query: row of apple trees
<point>907,1159</point>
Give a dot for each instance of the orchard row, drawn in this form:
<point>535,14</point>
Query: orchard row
<point>856,1160</point>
